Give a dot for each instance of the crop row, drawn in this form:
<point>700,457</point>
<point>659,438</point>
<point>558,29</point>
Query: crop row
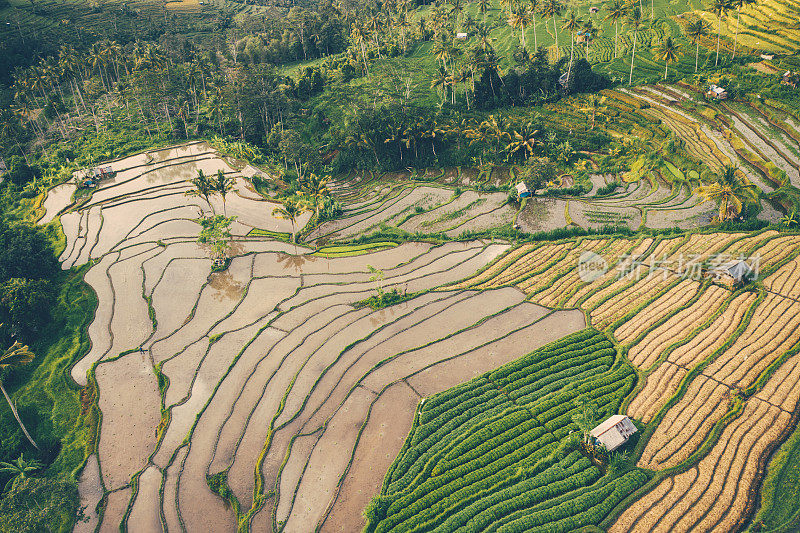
<point>669,302</point>
<point>466,474</point>
<point>646,352</point>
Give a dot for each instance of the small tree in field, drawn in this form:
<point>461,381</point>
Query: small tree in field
<point>216,233</point>
<point>290,211</point>
<point>202,188</point>
<point>222,185</point>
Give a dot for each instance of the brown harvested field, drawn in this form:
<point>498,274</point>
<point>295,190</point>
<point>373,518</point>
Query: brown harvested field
<point>658,388</point>
<point>786,280</point>
<point>644,353</point>
<point>625,302</point>
<point>715,334</point>
<point>776,250</point>
<point>686,424</point>
<point>773,330</point>
<point>679,296</point>
<point>565,265</point>
<point>711,496</point>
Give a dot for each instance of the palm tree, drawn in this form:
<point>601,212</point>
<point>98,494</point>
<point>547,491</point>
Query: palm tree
<point>519,18</point>
<point>668,52</point>
<point>442,49</point>
<point>695,31</point>
<point>636,23</point>
<point>571,24</point>
<point>358,34</point>
<point>19,469</point>
<point>483,8</point>
<point>590,32</point>
<point>222,185</point>
<point>553,8</point>
<point>522,143</point>
<point>730,190</point>
<point>592,106</point>
<point>534,7</point>
<point>457,8</point>
<point>315,188</point>
<point>13,357</point>
<point>585,418</point>
<point>739,4</point>
<point>290,211</point>
<point>202,187</point>
<point>719,8</point>
<point>440,83</point>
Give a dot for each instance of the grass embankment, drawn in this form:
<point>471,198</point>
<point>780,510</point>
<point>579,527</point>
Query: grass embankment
<point>351,250</point>
<point>50,402</point>
<point>780,495</point>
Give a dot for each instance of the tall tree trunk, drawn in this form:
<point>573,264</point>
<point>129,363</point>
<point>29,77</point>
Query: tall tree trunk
<point>535,39</point>
<point>719,31</point>
<point>16,415</point>
<point>736,39</point>
<point>555,34</point>
<point>571,55</point>
<point>633,57</point>
<point>697,55</point>
<point>616,39</point>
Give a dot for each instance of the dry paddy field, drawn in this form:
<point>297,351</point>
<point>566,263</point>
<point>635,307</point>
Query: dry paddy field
<point>721,372</point>
<point>263,379</point>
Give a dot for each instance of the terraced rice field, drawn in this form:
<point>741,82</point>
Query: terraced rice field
<point>484,455</point>
<point>378,202</point>
<point>265,383</point>
<point>428,202</point>
<point>721,365</point>
<point>263,379</point>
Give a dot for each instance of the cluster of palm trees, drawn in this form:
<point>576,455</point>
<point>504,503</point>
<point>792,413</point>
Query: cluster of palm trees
<point>312,195</point>
<point>205,187</point>
<point>62,91</point>
<point>731,190</point>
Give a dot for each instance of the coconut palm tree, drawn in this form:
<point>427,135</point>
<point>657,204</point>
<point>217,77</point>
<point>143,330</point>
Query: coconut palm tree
<point>222,185</point>
<point>585,418</point>
<point>592,106</point>
<point>519,18</point>
<point>571,24</point>
<point>695,31</point>
<point>457,9</point>
<point>719,8</point>
<point>19,469</point>
<point>203,187</point>
<point>730,191</point>
<point>315,188</point>
<point>13,357</point>
<point>739,4</point>
<point>534,6</point>
<point>636,23</point>
<point>290,211</point>
<point>522,143</point>
<point>553,8</point>
<point>483,8</point>
<point>668,52</point>
<point>359,36</point>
